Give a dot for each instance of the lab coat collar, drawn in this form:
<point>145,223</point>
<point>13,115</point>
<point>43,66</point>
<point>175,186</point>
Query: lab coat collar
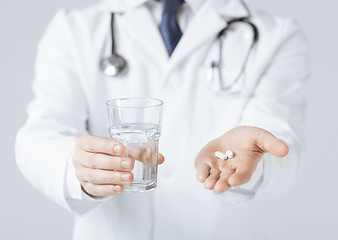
<point>211,18</point>
<point>119,6</point>
<point>194,4</point>
<point>228,8</point>
<point>233,8</point>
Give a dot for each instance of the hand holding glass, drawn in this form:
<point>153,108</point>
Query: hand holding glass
<point>136,123</point>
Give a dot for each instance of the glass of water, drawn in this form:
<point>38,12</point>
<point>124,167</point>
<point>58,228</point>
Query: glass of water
<point>136,123</point>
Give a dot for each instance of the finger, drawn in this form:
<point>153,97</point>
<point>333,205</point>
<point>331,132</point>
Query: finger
<point>160,158</point>
<point>146,155</point>
<point>222,183</point>
<point>102,190</point>
<point>241,176</point>
<point>100,145</point>
<point>210,182</point>
<point>97,176</point>
<point>269,143</point>
<point>203,171</point>
<point>136,153</point>
<point>107,162</point>
<point>142,154</point>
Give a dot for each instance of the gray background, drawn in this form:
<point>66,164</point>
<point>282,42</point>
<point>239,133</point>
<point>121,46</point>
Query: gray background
<point>309,211</point>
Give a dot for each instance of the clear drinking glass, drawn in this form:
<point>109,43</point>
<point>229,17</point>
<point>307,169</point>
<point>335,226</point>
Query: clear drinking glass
<point>136,123</point>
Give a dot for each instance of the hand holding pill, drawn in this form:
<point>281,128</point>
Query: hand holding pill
<point>231,159</point>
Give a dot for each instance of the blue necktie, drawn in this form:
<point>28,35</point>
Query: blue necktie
<point>171,32</point>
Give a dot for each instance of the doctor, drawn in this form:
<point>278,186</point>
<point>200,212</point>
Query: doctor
<point>225,86</point>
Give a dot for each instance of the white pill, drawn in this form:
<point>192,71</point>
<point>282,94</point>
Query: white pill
<point>229,154</point>
<point>221,155</point>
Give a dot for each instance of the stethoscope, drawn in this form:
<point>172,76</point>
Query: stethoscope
<point>217,83</point>
<point>115,64</point>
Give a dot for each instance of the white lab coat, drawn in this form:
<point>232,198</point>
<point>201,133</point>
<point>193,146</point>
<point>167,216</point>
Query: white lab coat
<point>71,91</point>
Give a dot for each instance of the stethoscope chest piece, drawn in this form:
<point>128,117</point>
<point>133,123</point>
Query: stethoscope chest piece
<point>113,65</point>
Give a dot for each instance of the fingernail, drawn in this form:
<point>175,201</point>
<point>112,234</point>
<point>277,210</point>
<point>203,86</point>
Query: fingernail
<point>117,149</point>
<point>125,177</point>
<point>117,188</point>
<point>125,164</point>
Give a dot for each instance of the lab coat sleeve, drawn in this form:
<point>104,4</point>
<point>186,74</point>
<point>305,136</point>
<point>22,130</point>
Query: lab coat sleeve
<point>56,116</point>
<point>278,106</point>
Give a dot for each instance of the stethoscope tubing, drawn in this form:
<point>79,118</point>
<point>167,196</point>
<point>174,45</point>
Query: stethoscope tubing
<point>220,37</point>
<point>112,34</point>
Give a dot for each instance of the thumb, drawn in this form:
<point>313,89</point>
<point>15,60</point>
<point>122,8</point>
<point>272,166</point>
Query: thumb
<point>269,143</point>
